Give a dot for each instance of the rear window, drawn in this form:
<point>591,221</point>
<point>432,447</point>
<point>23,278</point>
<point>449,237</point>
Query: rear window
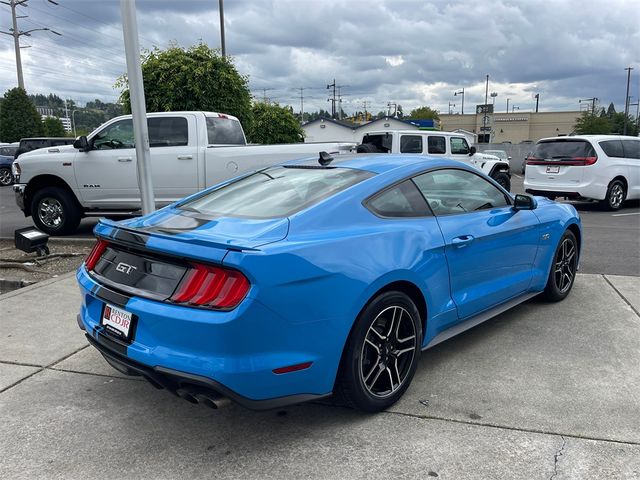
<point>275,192</point>
<point>224,131</point>
<point>8,151</point>
<point>560,149</point>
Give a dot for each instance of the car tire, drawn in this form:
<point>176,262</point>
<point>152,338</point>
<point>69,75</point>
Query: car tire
<point>563,269</point>
<point>6,177</point>
<point>367,148</point>
<point>381,354</point>
<point>503,180</point>
<point>616,194</point>
<point>55,211</point>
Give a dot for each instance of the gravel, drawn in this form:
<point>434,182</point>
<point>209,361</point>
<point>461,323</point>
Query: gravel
<point>19,269</point>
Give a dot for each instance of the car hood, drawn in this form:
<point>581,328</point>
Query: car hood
<point>55,150</point>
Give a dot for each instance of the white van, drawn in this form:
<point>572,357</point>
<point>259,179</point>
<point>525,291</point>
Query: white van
<point>595,167</point>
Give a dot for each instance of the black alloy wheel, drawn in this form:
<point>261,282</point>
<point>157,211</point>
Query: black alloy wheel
<point>381,354</point>
<point>563,269</point>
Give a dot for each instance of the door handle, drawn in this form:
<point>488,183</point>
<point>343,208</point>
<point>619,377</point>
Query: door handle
<point>462,241</point>
<point>124,159</point>
<point>185,157</point>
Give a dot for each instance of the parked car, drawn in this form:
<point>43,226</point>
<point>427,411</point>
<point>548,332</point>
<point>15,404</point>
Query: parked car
<point>317,277</point>
<point>524,162</point>
<point>594,167</point>
<point>29,144</point>
<point>97,175</point>
<point>501,154</point>
<point>437,144</point>
<point>7,153</point>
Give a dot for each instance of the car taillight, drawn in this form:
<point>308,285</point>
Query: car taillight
<point>588,160</point>
<point>206,285</point>
<point>95,254</point>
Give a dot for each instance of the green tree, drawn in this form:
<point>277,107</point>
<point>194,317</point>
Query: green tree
<point>424,113</point>
<point>274,124</point>
<point>194,78</point>
<point>19,117</point>
<point>53,127</point>
<point>589,123</point>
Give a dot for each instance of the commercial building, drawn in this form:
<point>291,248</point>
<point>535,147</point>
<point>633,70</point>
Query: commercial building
<point>513,127</point>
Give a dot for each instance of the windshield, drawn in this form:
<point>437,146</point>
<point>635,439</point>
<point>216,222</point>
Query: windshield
<point>564,149</point>
<point>224,131</point>
<point>275,192</point>
<point>8,151</point>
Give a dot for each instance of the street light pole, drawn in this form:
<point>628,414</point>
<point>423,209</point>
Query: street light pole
<point>537,97</point>
<point>461,93</point>
<point>138,107</point>
<point>508,104</point>
<point>626,101</point>
<point>222,47</point>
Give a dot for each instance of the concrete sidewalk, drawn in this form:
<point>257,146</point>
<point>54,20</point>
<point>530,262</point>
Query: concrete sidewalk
<point>542,391</point>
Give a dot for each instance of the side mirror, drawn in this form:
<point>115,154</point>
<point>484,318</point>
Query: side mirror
<point>524,202</point>
<point>472,151</point>
<point>81,144</point>
<point>509,158</point>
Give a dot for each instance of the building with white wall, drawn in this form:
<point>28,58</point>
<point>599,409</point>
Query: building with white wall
<point>328,130</point>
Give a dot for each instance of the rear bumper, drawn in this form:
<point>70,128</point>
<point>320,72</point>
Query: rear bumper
<point>233,353</point>
<point>173,380</point>
<point>592,190</point>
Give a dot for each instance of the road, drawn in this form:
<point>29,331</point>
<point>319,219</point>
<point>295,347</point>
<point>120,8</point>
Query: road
<point>611,240</point>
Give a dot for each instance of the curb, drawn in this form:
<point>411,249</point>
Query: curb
<point>63,239</point>
<point>37,285</point>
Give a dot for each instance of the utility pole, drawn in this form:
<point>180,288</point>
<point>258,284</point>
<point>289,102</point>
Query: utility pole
<point>264,94</point>
<point>138,107</point>
<point>626,101</point>
<point>16,33</point>
<point>461,93</point>
<point>302,89</point>
<point>364,106</point>
<point>593,103</point>
<point>222,47</point>
<point>508,104</point>
<point>537,97</point>
<point>395,109</point>
<point>333,99</point>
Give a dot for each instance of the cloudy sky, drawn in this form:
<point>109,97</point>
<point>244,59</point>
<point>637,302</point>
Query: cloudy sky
<point>410,52</point>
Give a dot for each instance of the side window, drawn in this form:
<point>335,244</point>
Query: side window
<point>451,191</point>
<point>631,148</point>
<point>411,144</point>
<point>437,145</point>
<point>168,131</point>
<point>402,200</point>
<point>459,146</point>
<point>116,136</point>
<point>613,148</point>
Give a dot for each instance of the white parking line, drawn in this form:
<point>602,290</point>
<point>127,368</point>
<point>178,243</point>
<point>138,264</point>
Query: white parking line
<point>625,214</point>
<point>518,176</point>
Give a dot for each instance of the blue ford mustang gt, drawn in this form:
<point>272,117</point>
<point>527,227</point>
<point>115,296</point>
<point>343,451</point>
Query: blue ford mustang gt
<point>317,277</point>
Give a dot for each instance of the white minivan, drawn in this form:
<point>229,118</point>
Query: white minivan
<point>595,167</point>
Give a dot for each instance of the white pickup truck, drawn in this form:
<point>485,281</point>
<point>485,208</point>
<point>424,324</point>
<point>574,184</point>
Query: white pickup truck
<point>96,176</point>
<point>438,144</point>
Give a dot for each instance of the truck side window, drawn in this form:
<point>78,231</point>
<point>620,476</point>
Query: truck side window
<point>459,146</point>
<point>436,145</point>
<point>168,131</point>
<point>410,144</point>
<point>116,136</point>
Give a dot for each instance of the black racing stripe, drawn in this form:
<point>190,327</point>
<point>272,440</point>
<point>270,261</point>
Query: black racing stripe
<point>131,238</point>
<point>109,296</point>
<point>112,344</point>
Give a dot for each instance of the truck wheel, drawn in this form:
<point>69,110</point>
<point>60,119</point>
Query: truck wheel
<point>6,178</point>
<point>55,211</point>
<point>503,180</point>
<point>616,194</point>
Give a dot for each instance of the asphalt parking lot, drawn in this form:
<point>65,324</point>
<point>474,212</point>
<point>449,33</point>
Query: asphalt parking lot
<point>612,243</point>
<point>548,391</point>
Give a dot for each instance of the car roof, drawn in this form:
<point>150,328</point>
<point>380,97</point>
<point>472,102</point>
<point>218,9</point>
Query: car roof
<point>415,132</point>
<point>378,162</point>
<point>595,138</point>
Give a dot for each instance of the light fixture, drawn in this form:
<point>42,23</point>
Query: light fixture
<point>30,239</point>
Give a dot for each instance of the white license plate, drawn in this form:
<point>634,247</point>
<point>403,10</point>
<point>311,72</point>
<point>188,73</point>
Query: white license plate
<point>117,321</point>
<point>553,169</point>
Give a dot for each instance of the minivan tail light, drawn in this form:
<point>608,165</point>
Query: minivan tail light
<point>95,254</point>
<point>569,161</point>
<point>217,287</point>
